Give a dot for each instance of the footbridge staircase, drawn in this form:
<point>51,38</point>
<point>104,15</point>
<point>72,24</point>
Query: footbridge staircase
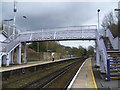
<point>107,47</point>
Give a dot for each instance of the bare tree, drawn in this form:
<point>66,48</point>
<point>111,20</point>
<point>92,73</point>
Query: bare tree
<point>110,21</point>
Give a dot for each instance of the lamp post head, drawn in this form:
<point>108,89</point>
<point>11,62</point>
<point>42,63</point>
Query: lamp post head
<point>8,20</point>
<point>11,20</point>
<point>116,9</point>
<point>24,17</point>
<point>98,10</point>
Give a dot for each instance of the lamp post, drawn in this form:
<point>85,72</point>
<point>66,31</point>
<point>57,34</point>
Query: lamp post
<point>98,19</point>
<point>118,24</point>
<point>14,18</point>
<point>97,50</point>
<point>118,21</point>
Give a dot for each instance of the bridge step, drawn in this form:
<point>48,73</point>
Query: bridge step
<point>112,71</point>
<point>114,52</point>
<point>115,77</point>
<point>115,74</point>
<point>115,64</point>
<point>114,57</point>
<point>115,67</point>
<point>112,49</point>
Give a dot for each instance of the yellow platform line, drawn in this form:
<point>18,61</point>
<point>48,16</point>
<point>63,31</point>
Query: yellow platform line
<point>93,78</point>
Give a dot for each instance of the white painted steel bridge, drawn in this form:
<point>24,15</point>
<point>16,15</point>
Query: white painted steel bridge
<point>9,42</point>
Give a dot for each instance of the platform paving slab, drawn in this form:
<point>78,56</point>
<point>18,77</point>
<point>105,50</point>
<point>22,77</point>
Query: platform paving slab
<point>85,77</point>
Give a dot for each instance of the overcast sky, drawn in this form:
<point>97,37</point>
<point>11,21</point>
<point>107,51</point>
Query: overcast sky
<point>56,14</point>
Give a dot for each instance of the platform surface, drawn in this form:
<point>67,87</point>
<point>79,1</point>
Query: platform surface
<point>84,78</point>
<point>29,64</point>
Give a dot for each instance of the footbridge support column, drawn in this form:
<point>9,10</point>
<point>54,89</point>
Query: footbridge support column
<point>11,57</point>
<point>25,53</point>
<point>18,50</point>
<point>102,64</point>
<point>8,59</point>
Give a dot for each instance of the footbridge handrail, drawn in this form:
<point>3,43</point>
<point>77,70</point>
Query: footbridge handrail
<point>102,50</point>
<point>9,29</point>
<point>11,38</point>
<point>84,27</point>
<point>113,40</point>
<point>10,43</point>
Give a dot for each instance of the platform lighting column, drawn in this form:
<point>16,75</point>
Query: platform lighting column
<point>25,46</point>
<point>14,18</point>
<point>118,24</point>
<point>98,19</point>
<point>97,50</point>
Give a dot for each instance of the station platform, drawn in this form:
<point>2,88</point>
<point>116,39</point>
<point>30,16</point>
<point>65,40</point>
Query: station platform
<point>84,78</point>
<point>29,64</point>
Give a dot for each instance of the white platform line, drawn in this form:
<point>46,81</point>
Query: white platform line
<point>70,85</point>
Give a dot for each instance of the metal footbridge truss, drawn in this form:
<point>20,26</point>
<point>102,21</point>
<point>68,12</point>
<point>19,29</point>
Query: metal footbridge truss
<point>63,33</point>
<point>14,41</point>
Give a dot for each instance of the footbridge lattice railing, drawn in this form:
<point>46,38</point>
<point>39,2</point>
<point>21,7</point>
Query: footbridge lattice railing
<point>64,33</point>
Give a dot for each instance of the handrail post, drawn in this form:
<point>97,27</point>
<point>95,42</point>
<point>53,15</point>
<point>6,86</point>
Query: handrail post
<point>108,70</point>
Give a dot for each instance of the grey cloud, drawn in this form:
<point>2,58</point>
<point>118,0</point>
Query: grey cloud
<point>40,15</point>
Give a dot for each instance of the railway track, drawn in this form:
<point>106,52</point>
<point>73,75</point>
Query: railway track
<point>56,78</point>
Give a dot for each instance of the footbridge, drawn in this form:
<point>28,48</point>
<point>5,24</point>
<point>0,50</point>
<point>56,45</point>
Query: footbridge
<point>106,44</point>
